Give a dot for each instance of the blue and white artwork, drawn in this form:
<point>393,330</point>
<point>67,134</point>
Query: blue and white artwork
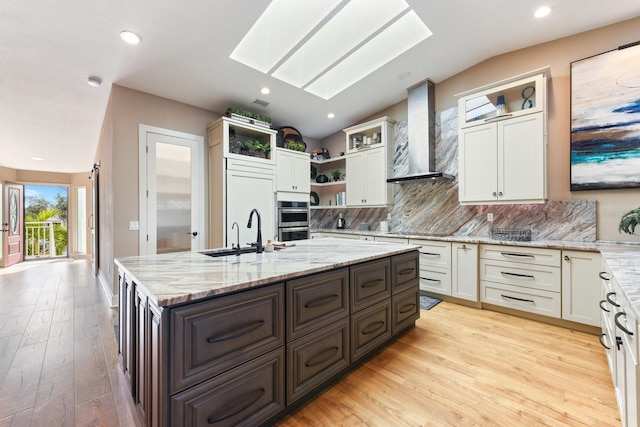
<point>605,120</point>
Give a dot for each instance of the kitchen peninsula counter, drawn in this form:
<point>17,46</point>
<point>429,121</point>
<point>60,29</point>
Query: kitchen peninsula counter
<point>243,340</point>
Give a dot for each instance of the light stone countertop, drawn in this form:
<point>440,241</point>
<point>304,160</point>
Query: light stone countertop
<point>185,276</point>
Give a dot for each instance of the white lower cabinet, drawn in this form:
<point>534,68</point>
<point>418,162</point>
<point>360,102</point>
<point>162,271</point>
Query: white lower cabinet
<point>619,338</point>
<point>581,287</point>
<point>464,271</point>
<point>521,278</point>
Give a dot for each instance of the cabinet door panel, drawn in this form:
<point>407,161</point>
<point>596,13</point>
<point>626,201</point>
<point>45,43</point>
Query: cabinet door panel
<point>246,191</point>
<point>247,395</point>
<point>301,173</point>
<point>464,271</point>
<point>521,158</point>
<point>581,288</point>
<point>405,309</point>
<point>370,283</point>
<point>478,163</point>
<point>370,328</point>
<point>356,177</point>
<point>212,336</point>
<point>284,170</point>
<point>405,272</point>
<point>375,177</point>
<point>316,301</point>
<point>316,357</point>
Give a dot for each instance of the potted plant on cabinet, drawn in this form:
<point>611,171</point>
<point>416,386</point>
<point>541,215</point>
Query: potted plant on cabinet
<point>336,174</point>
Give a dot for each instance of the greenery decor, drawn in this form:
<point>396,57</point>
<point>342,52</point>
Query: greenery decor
<point>248,114</point>
<point>295,146</point>
<point>629,221</point>
<point>336,174</point>
<point>252,147</point>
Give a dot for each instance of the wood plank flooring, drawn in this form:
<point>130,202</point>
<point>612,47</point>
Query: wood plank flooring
<point>459,366</point>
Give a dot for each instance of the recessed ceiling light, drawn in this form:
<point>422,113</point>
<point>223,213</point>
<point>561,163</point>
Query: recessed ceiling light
<point>37,158</point>
<point>94,81</point>
<point>265,91</point>
<point>130,37</point>
<point>543,11</point>
<point>404,76</point>
<point>331,115</point>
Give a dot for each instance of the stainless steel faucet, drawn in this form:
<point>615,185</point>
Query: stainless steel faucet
<point>258,242</point>
<point>237,246</point>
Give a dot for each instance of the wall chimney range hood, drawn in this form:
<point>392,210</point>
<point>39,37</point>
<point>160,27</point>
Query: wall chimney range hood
<point>422,135</point>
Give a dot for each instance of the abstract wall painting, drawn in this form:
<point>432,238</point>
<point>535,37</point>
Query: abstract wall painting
<point>605,120</point>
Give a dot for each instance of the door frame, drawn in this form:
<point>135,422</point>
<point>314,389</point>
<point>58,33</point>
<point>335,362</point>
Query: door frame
<point>143,131</point>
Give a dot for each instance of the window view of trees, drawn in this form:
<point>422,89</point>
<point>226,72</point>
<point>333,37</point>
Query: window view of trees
<point>45,219</point>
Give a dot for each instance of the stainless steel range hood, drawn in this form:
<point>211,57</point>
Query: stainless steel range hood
<point>422,135</point>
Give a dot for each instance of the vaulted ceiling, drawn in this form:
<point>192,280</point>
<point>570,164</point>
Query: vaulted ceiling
<point>49,49</point>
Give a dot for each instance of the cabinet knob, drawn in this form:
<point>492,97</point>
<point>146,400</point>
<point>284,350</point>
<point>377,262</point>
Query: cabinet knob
<point>494,194</point>
<point>500,193</point>
<point>464,246</point>
<point>566,258</point>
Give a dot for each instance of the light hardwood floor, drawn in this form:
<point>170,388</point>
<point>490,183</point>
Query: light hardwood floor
<point>459,366</point>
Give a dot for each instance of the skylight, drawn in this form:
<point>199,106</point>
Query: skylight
<point>326,46</point>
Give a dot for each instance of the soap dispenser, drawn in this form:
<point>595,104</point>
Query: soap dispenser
<point>340,224</point>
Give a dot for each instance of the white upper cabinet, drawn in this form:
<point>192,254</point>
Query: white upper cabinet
<point>369,163</point>
<point>502,142</point>
<point>293,170</point>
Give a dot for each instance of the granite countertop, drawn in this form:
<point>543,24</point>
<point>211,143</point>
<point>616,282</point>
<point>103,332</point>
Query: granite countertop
<point>624,262</point>
<point>554,244</point>
<point>185,276</point>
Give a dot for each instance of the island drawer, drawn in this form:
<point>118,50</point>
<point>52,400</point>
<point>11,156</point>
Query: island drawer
<point>405,272</point>
<point>405,309</point>
<point>370,283</point>
<point>370,328</point>
<point>316,301</point>
<point>524,299</point>
<point>434,253</point>
<point>316,358</point>
<point>521,254</point>
<point>532,276</point>
<point>210,337</point>
<point>247,395</point>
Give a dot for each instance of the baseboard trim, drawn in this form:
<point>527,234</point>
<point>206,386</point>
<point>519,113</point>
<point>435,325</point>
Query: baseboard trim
<point>108,293</point>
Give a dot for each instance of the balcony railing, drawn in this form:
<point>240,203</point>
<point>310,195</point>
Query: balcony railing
<point>40,238</point>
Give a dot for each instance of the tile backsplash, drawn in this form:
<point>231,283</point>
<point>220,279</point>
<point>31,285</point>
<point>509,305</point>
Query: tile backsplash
<point>428,207</point>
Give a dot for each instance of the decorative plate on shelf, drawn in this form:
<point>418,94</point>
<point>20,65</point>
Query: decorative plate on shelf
<point>314,199</point>
<point>314,172</point>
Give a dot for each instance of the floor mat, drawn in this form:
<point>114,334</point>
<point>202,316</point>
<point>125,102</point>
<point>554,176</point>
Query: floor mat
<point>427,303</point>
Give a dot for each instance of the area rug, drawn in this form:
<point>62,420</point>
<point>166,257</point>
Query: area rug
<point>427,303</point>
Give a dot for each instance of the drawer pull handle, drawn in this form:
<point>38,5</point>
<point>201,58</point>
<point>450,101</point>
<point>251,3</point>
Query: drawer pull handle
<point>517,255</point>
<point>373,327</point>
<point>238,406</point>
<point>602,341</point>
<point>431,280</point>
<point>602,308</point>
<point>408,308</point>
<point>429,253</point>
<point>406,271</point>
<point>620,325</point>
<point>518,299</point>
<point>610,301</point>
<point>372,283</point>
<point>321,357</point>
<point>525,276</point>
<point>604,276</point>
<point>236,332</point>
<point>321,301</point>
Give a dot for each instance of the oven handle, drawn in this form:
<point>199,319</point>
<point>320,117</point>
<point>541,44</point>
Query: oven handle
<point>286,229</point>
<point>293,210</point>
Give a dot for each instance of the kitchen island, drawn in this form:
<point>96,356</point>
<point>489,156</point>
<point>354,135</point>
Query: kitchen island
<point>245,339</point>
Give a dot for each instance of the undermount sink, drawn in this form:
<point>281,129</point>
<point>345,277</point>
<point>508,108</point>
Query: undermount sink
<point>228,251</point>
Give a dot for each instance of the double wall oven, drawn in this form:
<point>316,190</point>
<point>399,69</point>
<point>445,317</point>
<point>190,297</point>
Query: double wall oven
<point>293,221</point>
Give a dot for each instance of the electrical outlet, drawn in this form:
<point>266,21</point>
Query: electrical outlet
<point>134,225</point>
<point>490,216</point>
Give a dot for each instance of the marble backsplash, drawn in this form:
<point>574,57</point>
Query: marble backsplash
<point>432,207</point>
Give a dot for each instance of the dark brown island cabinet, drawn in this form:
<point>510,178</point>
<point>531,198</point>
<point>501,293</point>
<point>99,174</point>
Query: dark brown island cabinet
<point>251,357</point>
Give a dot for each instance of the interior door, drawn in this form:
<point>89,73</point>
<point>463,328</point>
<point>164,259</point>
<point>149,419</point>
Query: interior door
<point>13,204</point>
<point>174,219</point>
<point>94,222</point>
